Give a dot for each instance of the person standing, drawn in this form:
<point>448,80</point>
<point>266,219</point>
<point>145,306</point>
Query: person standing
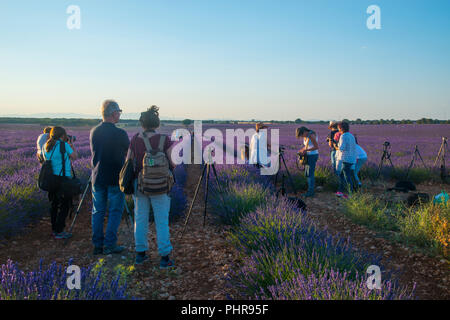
<point>345,159</point>
<point>258,154</point>
<point>40,143</point>
<point>311,149</point>
<point>141,144</point>
<point>331,142</point>
<point>109,146</point>
<point>61,157</point>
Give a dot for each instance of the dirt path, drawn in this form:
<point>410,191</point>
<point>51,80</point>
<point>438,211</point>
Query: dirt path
<point>431,274</point>
<point>202,256</point>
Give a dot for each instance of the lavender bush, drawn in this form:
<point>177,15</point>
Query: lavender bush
<point>49,283</point>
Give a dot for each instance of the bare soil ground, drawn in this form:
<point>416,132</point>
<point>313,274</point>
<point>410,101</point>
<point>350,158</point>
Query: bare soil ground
<point>430,273</point>
<point>204,257</point>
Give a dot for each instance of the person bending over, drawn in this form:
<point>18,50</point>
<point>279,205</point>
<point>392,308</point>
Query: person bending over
<point>361,159</point>
<point>311,150</point>
<point>40,143</point>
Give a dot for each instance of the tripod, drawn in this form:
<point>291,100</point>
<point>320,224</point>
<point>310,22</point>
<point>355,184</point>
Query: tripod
<point>281,160</point>
<point>441,156</point>
<point>416,155</point>
<point>129,219</point>
<point>385,157</point>
<point>206,169</point>
<point>79,205</point>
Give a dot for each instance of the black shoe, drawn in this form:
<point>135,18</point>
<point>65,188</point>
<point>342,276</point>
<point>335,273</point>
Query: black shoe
<point>98,250</point>
<point>115,249</point>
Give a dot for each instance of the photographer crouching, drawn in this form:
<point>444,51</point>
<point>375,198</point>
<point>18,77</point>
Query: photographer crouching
<point>60,151</point>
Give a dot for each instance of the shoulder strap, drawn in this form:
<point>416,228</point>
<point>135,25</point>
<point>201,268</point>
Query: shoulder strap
<point>147,143</point>
<point>62,149</point>
<point>162,140</point>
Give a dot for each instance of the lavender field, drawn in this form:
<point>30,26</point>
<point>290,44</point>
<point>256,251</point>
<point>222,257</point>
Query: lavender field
<point>21,202</point>
<point>270,233</point>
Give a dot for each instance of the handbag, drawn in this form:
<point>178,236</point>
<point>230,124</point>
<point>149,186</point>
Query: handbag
<point>46,180</point>
<point>126,175</point>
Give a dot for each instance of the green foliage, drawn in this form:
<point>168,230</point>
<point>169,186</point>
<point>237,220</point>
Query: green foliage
<point>427,226</point>
<point>368,210</point>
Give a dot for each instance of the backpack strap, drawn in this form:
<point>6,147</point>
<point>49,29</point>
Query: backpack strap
<point>162,140</point>
<point>147,143</point>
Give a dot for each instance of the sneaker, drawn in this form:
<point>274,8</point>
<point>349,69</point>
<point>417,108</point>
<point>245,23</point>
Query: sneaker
<point>62,235</point>
<point>339,194</point>
<point>166,263</point>
<point>140,258</point>
<point>98,250</point>
<point>112,250</point>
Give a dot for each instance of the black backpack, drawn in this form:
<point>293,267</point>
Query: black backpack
<point>46,180</point>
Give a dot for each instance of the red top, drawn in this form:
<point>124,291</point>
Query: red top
<point>137,146</point>
<point>337,136</point>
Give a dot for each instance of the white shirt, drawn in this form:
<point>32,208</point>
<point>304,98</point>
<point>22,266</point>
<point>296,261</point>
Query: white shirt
<point>360,153</point>
<point>259,139</point>
<point>310,145</point>
<point>40,143</point>
<point>347,148</point>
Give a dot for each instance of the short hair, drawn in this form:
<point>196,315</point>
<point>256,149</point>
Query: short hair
<point>300,131</point>
<point>109,107</point>
<point>150,119</point>
<point>47,129</point>
<point>260,125</point>
<point>344,125</point>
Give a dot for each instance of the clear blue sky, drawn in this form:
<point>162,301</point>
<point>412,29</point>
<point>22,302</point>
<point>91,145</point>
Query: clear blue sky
<point>228,59</point>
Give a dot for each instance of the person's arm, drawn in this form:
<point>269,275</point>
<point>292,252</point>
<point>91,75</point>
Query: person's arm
<point>73,154</point>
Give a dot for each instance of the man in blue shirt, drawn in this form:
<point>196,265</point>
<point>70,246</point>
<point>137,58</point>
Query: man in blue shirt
<point>109,146</point>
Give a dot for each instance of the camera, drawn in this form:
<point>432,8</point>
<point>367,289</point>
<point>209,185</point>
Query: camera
<point>71,138</point>
<point>386,143</point>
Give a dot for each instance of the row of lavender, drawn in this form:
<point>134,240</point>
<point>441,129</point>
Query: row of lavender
<point>282,254</point>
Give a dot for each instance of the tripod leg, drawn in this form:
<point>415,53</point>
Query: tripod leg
<point>439,154</point>
<point>206,193</point>
<point>423,162</point>
<point>289,175</point>
<point>79,205</point>
<point>193,200</point>
<point>380,166</point>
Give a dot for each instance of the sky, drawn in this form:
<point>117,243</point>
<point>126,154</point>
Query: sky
<point>226,59</point>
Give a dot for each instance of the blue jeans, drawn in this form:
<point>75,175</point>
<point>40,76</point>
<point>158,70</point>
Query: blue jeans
<point>310,169</point>
<point>346,175</point>
<point>161,208</point>
<point>333,160</point>
<point>104,197</point>
<point>358,165</point>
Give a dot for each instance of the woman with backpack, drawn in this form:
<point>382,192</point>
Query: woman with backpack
<point>60,151</point>
<point>311,150</point>
<point>153,180</point>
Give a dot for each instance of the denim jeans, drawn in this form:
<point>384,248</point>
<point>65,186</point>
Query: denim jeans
<point>346,176</point>
<point>310,169</point>
<point>333,160</point>
<point>358,165</point>
<point>103,198</point>
<point>161,208</point>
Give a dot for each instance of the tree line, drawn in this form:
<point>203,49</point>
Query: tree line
<point>133,123</point>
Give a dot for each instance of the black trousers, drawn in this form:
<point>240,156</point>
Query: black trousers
<point>59,209</point>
